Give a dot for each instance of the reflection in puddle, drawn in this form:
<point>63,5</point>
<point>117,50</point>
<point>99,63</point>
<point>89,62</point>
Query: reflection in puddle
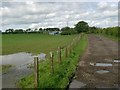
<point>103,64</point>
<point>100,64</point>
<point>20,58</point>
<point>102,71</point>
<point>21,61</point>
<point>116,61</point>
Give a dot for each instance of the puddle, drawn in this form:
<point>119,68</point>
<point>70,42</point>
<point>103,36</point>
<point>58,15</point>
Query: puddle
<point>103,64</point>
<point>116,61</point>
<point>20,58</point>
<point>21,62</point>
<point>100,64</point>
<point>77,84</point>
<point>42,56</point>
<point>102,71</point>
<point>10,78</point>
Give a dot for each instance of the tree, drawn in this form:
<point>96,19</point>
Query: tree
<point>52,29</point>
<point>67,31</point>
<point>35,30</point>
<point>81,27</point>
<point>9,31</point>
<point>28,30</point>
<point>40,29</point>
<point>19,31</point>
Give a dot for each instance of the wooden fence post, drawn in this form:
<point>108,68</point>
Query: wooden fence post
<point>36,72</point>
<point>59,55</point>
<point>52,66</point>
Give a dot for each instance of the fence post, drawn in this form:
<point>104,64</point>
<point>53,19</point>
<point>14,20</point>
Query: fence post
<point>52,66</point>
<point>59,55</point>
<point>36,72</point>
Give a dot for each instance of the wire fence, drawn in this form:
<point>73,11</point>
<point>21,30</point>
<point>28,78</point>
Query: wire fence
<point>56,56</point>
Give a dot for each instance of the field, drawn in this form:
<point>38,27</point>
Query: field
<point>36,43</point>
<point>33,43</point>
<point>62,72</point>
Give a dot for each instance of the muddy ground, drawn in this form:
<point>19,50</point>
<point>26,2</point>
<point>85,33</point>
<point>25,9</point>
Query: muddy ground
<point>100,50</point>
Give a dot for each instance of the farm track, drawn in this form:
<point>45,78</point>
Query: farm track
<point>100,50</point>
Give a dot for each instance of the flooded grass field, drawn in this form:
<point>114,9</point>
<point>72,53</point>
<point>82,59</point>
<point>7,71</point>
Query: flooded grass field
<point>19,51</point>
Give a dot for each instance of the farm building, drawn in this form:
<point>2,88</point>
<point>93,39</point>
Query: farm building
<point>55,32</point>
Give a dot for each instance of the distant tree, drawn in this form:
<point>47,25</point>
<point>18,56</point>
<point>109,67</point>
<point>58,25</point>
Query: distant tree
<point>9,31</point>
<point>19,31</point>
<point>40,30</point>
<point>28,30</point>
<point>81,27</point>
<point>35,30</point>
<point>67,31</point>
<point>57,29</point>
<point>52,29</point>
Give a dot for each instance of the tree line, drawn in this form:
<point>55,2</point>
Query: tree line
<point>29,30</point>
<point>81,26</point>
<point>111,31</point>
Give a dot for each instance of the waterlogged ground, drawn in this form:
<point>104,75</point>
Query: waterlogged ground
<point>98,67</point>
<point>20,67</point>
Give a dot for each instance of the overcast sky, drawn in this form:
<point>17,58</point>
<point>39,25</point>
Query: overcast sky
<point>32,14</point>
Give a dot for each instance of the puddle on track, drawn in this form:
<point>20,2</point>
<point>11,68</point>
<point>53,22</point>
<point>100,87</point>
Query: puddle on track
<point>77,84</point>
<point>101,64</point>
<point>116,61</point>
<point>102,71</point>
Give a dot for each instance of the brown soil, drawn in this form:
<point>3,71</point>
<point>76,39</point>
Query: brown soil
<point>100,50</point>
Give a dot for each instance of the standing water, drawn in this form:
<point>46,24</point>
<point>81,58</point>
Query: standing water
<point>101,64</point>
<point>116,61</point>
<point>20,58</point>
<point>20,62</point>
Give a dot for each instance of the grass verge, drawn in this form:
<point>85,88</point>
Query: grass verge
<point>62,72</point>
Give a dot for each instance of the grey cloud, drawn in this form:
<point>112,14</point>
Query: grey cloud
<point>41,14</point>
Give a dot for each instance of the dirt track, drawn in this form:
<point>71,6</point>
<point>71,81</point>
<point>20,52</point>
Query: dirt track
<point>100,50</point>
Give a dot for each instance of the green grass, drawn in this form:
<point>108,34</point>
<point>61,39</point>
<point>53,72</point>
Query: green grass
<point>62,72</point>
<point>34,43</point>
<point>4,68</point>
